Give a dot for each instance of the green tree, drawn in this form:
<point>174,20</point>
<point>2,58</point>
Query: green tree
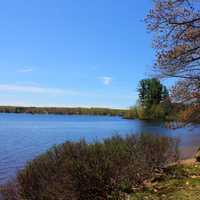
<point>151,92</point>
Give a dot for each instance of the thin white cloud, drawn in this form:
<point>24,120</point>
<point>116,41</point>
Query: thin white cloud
<point>26,70</point>
<point>106,80</point>
<point>36,89</point>
<point>11,94</point>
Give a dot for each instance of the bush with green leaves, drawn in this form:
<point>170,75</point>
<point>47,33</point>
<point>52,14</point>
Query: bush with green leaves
<point>97,171</point>
<point>131,113</point>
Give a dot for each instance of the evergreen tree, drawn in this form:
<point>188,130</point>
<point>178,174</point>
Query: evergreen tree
<point>151,92</point>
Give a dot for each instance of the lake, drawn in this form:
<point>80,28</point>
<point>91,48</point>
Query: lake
<point>24,136</point>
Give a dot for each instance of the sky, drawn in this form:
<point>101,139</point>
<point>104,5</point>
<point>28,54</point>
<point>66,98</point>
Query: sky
<point>73,52</point>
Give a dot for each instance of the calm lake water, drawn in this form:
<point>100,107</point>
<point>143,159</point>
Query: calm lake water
<point>23,136</point>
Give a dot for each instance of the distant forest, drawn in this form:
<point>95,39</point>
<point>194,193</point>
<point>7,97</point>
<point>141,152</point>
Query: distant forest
<point>63,110</point>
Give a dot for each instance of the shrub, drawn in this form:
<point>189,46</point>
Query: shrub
<point>131,113</point>
<point>197,156</point>
<point>10,191</point>
<point>142,113</point>
<point>157,112</point>
<point>98,171</point>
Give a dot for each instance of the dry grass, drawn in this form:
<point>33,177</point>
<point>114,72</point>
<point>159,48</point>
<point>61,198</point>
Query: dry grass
<point>182,182</point>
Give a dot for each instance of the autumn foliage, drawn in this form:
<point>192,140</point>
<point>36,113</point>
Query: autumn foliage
<point>176,28</point>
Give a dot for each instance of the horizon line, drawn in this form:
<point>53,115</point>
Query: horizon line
<point>63,106</point>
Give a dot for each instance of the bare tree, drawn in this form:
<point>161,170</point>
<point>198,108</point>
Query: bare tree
<point>176,25</point>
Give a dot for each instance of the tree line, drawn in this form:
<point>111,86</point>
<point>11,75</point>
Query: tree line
<point>63,110</point>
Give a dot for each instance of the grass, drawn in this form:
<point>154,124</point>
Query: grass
<point>181,182</point>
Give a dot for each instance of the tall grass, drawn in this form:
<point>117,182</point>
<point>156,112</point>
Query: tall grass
<point>98,171</point>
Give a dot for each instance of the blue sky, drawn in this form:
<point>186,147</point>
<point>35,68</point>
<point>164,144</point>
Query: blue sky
<point>73,52</point>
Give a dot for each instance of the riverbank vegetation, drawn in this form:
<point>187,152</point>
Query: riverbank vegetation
<point>154,103</point>
<point>110,169</point>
